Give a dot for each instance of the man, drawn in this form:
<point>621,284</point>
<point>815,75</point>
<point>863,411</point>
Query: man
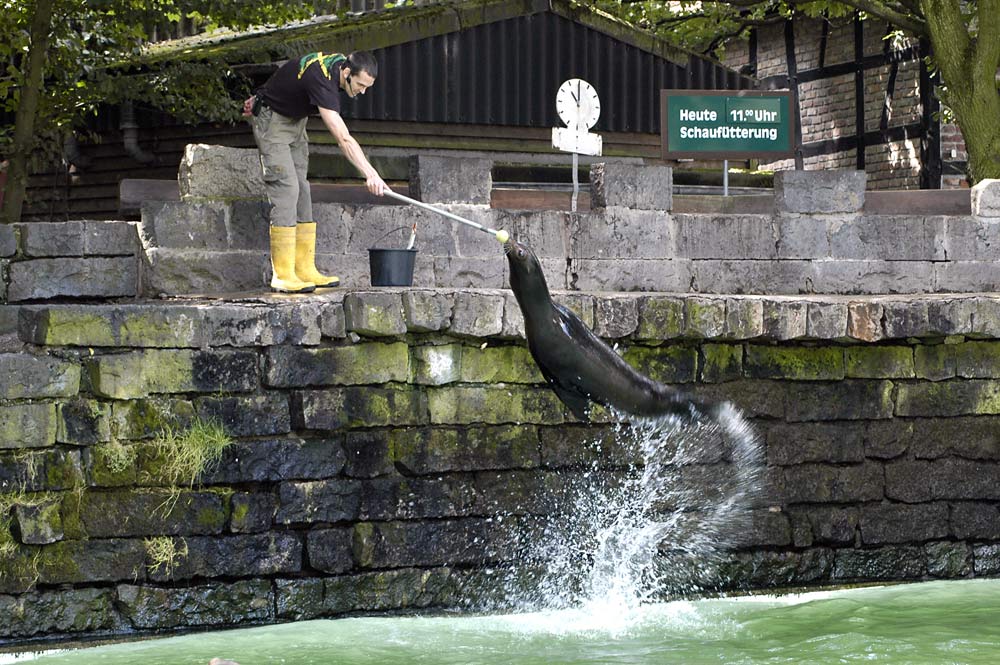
<point>279,112</point>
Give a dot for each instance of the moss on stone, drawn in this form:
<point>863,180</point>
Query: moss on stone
<point>934,361</point>
<point>987,398</point>
<point>72,524</point>
<point>369,363</point>
<point>704,317</point>
<point>660,318</point>
<point>137,374</point>
<point>117,376</point>
<point>28,425</point>
<point>151,464</point>
<point>440,450</point>
<point>63,471</point>
<point>145,418</point>
<point>113,464</point>
<point>722,362</point>
<point>158,328</point>
<point>379,408</point>
<point>211,518</point>
<point>83,422</point>
<point>977,360</point>
<point>669,364</point>
<point>19,562</point>
<point>60,561</point>
<point>494,404</point>
<point>168,371</point>
<point>75,326</point>
<point>40,520</point>
<point>948,398</point>
<point>879,362</point>
<point>8,545</point>
<point>795,363</point>
<point>499,364</point>
<point>240,513</point>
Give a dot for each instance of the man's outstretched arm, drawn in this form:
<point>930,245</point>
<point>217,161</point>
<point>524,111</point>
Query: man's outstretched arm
<point>352,150</point>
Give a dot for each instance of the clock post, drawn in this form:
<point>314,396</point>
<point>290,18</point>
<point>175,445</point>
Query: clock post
<point>579,107</point>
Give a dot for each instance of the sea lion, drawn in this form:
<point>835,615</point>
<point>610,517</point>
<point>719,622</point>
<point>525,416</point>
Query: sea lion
<point>577,364</point>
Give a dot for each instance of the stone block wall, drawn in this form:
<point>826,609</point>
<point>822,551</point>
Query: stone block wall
<point>378,435</point>
<point>81,259</point>
<point>818,239</point>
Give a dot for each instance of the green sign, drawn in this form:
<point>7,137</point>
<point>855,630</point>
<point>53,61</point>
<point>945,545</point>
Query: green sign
<point>736,124</point>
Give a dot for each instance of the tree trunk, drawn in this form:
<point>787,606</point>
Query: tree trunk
<point>24,120</point>
<point>968,70</point>
<point>984,150</point>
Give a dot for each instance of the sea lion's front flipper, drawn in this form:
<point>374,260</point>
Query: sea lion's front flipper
<point>577,403</point>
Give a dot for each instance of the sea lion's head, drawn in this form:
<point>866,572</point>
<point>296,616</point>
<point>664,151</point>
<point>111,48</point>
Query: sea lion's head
<point>525,270</point>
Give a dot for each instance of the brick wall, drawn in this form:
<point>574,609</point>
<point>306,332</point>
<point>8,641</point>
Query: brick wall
<point>827,106</point>
<point>827,109</point>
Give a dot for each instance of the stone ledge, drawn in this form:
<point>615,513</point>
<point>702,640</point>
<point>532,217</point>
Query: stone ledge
<point>631,185</point>
<point>437,179</point>
<point>95,277</point>
<point>986,199</point>
<point>214,171</point>
<point>76,238</point>
<point>819,191</point>
<point>489,313</point>
<point>155,324</point>
<point>8,240</point>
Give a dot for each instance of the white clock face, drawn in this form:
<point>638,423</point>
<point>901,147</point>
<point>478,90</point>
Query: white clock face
<point>578,104</point>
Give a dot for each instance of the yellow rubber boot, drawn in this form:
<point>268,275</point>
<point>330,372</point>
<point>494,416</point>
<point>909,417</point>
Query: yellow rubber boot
<point>305,257</point>
<point>283,276</point>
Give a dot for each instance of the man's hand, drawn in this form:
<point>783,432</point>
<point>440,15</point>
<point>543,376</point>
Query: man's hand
<point>376,185</point>
<point>248,106</point>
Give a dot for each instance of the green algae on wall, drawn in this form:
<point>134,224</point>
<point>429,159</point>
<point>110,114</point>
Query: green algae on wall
<point>795,363</point>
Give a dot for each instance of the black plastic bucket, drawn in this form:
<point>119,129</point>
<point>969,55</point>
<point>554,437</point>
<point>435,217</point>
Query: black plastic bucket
<point>391,267</point>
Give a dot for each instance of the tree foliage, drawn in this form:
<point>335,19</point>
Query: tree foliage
<point>89,47</point>
<point>964,36</point>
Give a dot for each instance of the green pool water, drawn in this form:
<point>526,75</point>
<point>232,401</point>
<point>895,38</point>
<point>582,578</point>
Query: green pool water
<point>935,623</point>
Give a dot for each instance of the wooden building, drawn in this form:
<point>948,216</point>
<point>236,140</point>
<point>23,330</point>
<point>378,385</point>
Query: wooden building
<point>477,76</point>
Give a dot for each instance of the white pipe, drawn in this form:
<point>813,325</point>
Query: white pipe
<point>427,206</point>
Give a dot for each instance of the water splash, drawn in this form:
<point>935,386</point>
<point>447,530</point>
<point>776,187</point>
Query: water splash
<point>657,528</point>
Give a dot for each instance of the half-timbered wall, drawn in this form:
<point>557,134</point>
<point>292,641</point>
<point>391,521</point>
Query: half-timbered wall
<point>865,101</point>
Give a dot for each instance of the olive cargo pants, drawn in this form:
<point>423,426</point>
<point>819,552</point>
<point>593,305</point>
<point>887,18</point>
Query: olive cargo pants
<point>284,158</point>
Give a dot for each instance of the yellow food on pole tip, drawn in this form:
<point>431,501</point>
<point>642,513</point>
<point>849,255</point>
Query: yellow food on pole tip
<point>503,236</point>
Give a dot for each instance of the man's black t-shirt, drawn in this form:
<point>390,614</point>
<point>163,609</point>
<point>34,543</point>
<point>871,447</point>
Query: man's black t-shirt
<point>300,86</point>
